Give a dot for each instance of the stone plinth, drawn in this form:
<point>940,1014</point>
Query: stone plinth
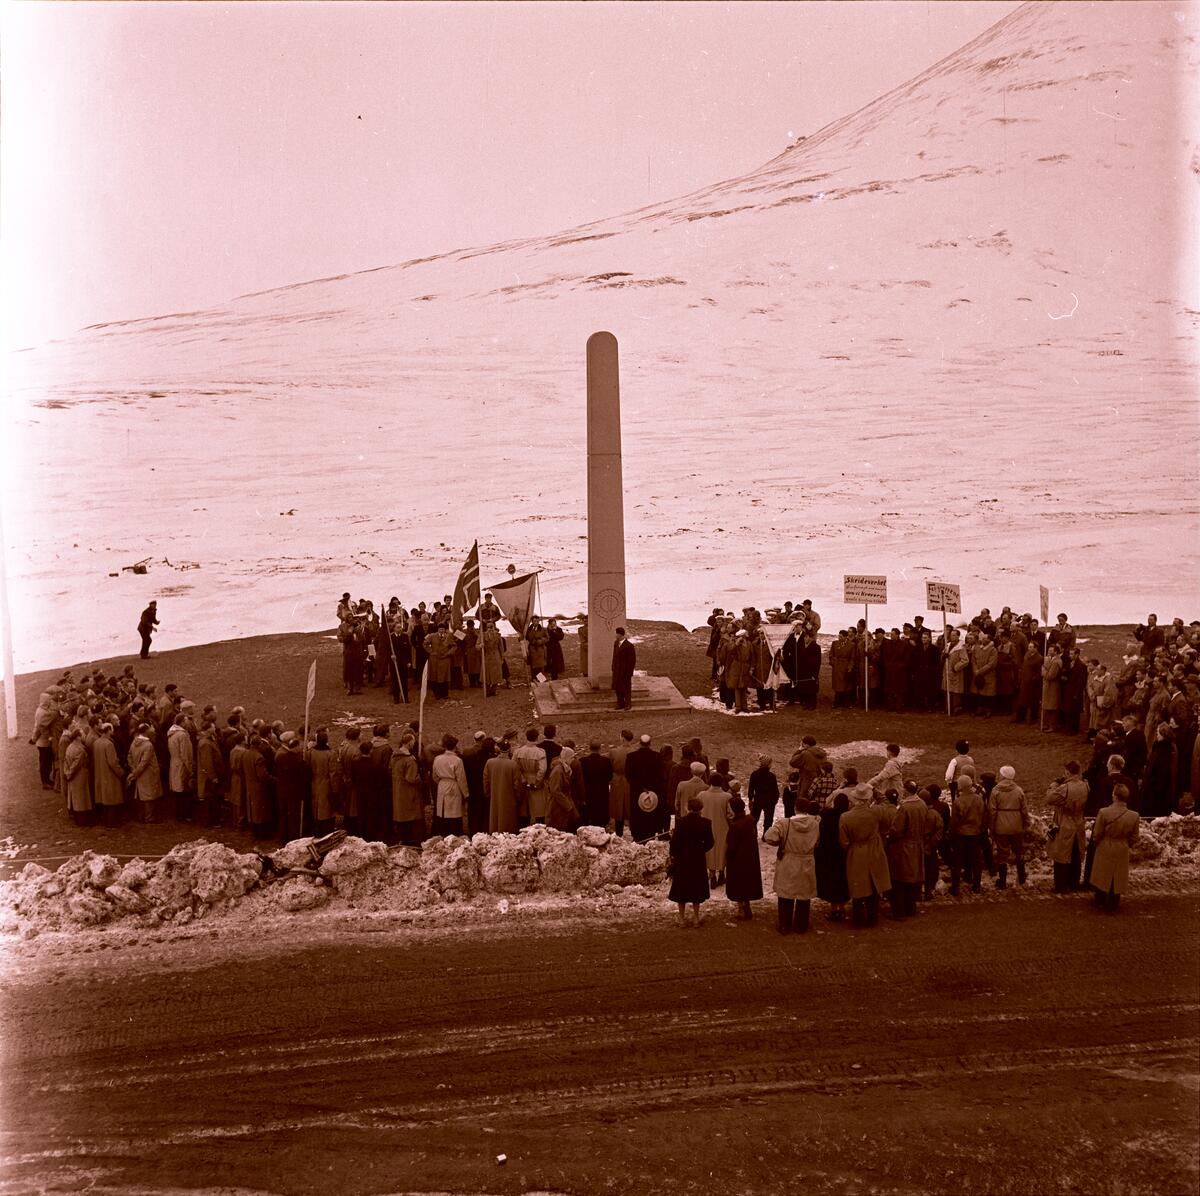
<point>576,696</point>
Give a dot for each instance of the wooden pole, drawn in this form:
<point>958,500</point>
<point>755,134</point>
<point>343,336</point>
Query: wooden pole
<point>421,712</point>
<point>945,659</point>
<point>866,654</point>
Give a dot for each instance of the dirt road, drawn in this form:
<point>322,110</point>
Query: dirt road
<point>1028,1046</point>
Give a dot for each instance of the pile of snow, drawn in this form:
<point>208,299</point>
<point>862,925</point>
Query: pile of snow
<point>1166,842</point>
<point>190,881</point>
<point>201,879</point>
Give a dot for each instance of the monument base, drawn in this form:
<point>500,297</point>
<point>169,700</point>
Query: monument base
<point>577,697</point>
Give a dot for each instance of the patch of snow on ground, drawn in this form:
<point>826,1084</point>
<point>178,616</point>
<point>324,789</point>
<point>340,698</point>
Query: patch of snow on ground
<point>857,748</point>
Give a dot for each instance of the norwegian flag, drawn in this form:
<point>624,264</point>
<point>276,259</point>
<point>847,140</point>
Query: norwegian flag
<point>466,589</point>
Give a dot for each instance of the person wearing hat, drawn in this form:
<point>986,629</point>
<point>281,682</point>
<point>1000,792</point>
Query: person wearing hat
<point>715,804</point>
<point>449,780</point>
<point>624,661</point>
<point>647,790</point>
<point>743,869</point>
<point>867,875</point>
<point>692,787</point>
<point>597,772</point>
<point>691,839</point>
<point>181,768</point>
<point>739,665</point>
<point>107,775</point>
<point>47,727</point>
<point>763,791</point>
<point>474,759</point>
<point>146,625</point>
<point>292,787</point>
<point>1114,833</point>
<point>500,786</point>
<point>144,777</point>
<point>583,644</point>
<point>562,813</point>
<point>1010,822</point>
<point>795,881</point>
<point>906,851</point>
<point>808,618</point>
<point>531,770</point>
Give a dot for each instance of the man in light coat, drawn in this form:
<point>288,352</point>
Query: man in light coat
<point>867,875</point>
<point>181,768</point>
<point>144,776</point>
<point>449,779</point>
<point>1010,822</point>
<point>532,767</point>
<point>108,776</point>
<point>890,776</point>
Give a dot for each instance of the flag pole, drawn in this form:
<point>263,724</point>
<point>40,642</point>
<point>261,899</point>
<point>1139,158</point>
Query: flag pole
<point>421,712</point>
<point>387,630</point>
<point>6,647</point>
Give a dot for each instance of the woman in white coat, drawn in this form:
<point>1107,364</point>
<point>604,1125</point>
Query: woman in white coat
<point>796,869</point>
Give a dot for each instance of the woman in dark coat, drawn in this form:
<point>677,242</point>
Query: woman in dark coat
<point>1074,688</point>
<point>1158,789</point>
<point>691,840</point>
<point>555,665</point>
<point>831,860</point>
<point>743,869</point>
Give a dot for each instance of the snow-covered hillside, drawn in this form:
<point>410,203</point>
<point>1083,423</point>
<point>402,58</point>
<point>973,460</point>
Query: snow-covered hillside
<point>947,336</point>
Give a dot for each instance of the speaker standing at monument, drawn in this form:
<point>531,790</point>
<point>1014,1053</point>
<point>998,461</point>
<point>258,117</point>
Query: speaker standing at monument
<point>624,658</point>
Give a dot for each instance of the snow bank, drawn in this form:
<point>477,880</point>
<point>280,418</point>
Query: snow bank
<point>203,880</point>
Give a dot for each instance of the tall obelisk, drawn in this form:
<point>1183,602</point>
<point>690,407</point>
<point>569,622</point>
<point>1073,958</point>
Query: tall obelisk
<point>605,506</point>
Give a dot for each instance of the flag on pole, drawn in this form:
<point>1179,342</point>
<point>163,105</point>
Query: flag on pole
<point>515,599</point>
<point>421,710</point>
<point>1044,596</point>
<point>466,589</point>
<point>312,684</point>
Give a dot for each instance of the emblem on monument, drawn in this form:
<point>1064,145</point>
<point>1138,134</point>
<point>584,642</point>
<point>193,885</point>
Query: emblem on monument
<point>608,603</point>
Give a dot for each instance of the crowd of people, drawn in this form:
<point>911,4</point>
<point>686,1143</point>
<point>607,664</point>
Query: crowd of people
<point>850,842</point>
<point>391,648</point>
<point>115,748</point>
<point>1007,665</point>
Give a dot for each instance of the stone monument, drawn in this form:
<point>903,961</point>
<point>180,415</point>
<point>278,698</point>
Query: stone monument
<point>592,695</point>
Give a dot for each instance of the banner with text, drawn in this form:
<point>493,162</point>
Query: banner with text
<point>865,589</point>
<point>941,595</point>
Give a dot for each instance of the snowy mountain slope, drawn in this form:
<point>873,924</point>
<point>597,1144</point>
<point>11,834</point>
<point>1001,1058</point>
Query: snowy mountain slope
<point>923,341</point>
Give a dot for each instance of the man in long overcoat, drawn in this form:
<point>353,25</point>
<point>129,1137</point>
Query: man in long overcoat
<point>624,660</point>
<point>108,776</point>
<point>499,786</point>
<point>292,783</point>
<point>439,648</point>
<point>867,873</point>
<point>644,772</point>
<point>597,771</point>
<point>906,851</point>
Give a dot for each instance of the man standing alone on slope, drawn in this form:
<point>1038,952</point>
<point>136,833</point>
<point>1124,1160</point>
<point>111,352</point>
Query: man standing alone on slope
<point>146,625</point>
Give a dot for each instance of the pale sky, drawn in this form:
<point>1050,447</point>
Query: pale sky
<point>160,157</point>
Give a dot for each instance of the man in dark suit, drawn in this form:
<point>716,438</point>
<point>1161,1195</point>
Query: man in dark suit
<point>644,771</point>
<point>597,772</point>
<point>624,658</point>
<point>146,625</point>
